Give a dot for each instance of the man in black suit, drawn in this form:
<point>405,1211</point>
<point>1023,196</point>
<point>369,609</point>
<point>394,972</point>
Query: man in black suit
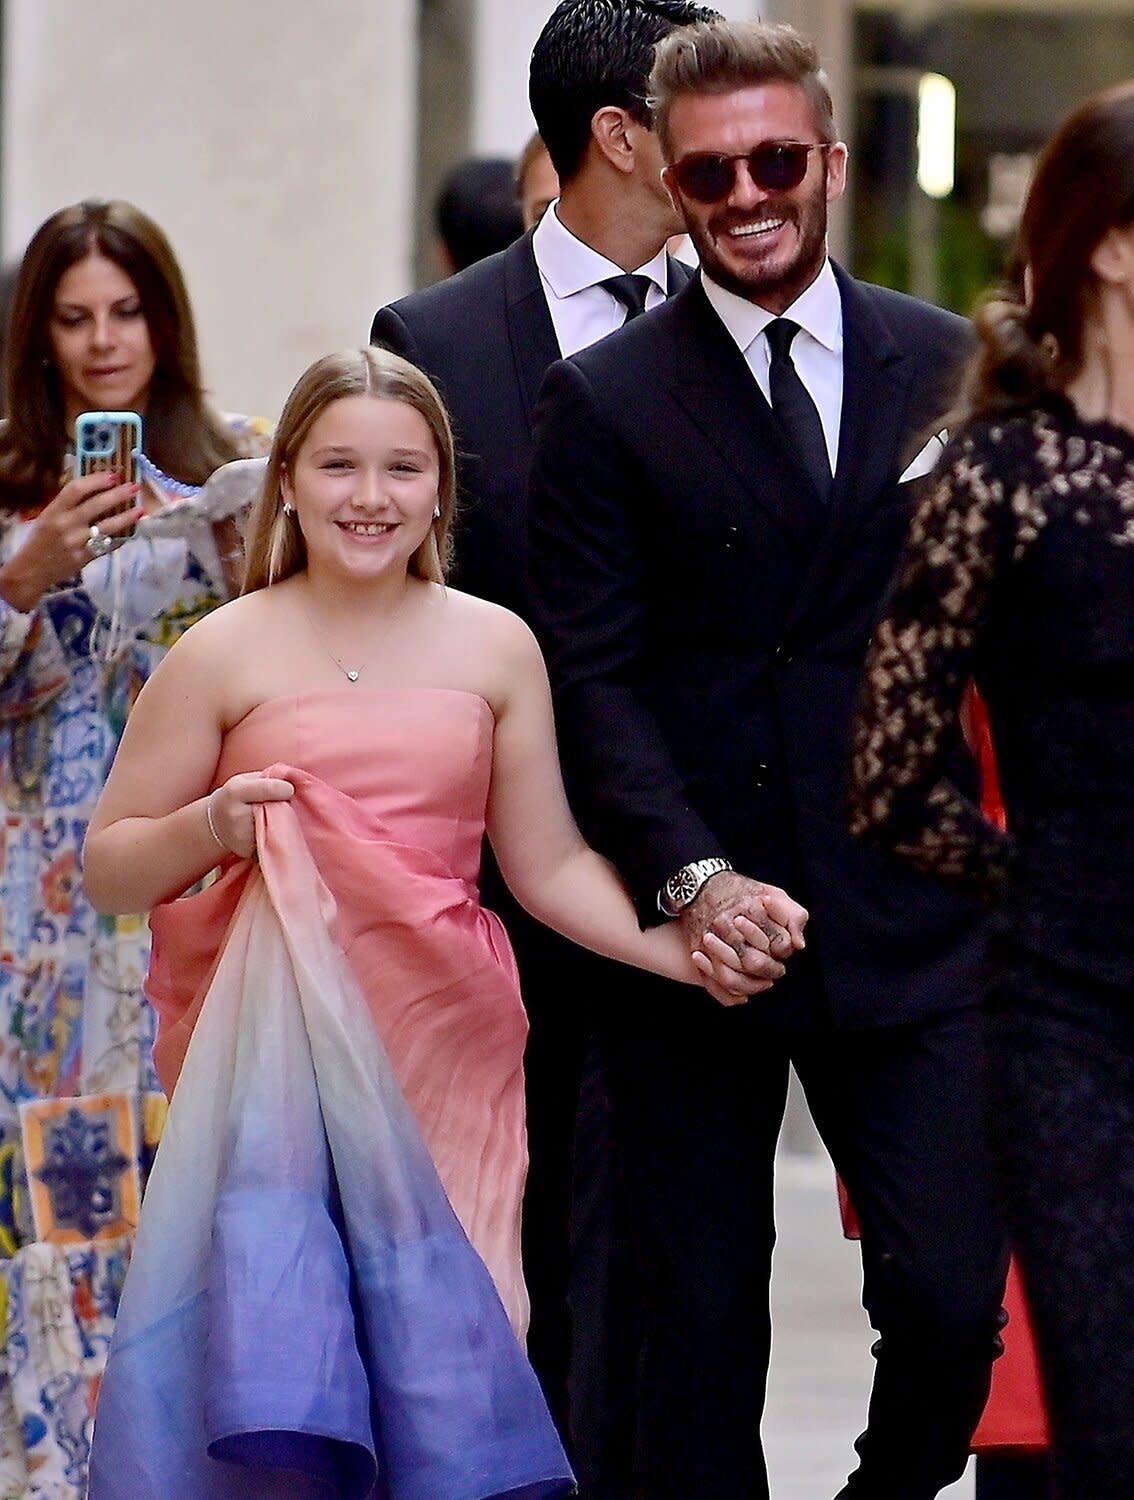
<point>487,337</point>
<point>719,494</point>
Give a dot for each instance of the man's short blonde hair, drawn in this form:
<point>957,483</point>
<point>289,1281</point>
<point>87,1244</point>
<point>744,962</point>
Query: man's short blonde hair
<point>718,57</point>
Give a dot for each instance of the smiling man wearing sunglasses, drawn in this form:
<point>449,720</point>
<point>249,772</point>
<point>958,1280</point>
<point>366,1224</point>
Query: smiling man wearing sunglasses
<point>719,494</point>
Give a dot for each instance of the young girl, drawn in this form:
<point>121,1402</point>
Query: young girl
<point>355,726</point>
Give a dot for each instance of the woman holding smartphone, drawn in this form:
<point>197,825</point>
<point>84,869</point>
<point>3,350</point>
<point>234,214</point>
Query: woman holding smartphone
<point>100,321</point>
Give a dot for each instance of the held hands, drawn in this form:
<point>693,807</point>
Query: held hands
<point>228,809</point>
<point>741,932</point>
<point>58,544</point>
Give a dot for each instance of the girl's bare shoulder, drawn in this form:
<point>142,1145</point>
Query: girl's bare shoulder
<point>489,624</point>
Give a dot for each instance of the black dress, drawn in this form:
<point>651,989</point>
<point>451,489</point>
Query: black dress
<point>1019,572</point>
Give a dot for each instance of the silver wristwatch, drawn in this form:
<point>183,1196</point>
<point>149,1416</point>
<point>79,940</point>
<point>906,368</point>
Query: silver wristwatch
<point>676,894</point>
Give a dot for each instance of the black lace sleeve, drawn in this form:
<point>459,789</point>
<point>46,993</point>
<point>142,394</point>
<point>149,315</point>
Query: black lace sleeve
<point>920,663</point>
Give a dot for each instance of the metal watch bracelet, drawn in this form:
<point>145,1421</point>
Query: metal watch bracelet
<point>682,887</point>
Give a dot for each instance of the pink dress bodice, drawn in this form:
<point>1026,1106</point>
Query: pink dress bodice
<point>391,789</point>
<point>327,1277</point>
<point>419,758</point>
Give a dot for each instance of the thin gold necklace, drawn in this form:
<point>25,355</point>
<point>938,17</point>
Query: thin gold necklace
<point>350,673</point>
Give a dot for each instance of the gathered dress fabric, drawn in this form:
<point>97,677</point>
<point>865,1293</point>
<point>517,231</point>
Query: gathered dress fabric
<point>325,1296</point>
<point>1019,572</point>
<point>80,1107</point>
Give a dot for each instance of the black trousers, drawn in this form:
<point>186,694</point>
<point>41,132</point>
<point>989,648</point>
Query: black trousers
<point>698,1093</point>
<point>1013,1476</point>
<point>1062,1056</point>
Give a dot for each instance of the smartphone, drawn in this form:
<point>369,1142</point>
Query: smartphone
<point>109,442</point>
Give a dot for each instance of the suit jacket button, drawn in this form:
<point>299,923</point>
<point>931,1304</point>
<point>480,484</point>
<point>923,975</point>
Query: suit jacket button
<point>761,776</point>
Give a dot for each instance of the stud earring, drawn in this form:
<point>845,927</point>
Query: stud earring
<point>288,508</point>
<point>436,512</point>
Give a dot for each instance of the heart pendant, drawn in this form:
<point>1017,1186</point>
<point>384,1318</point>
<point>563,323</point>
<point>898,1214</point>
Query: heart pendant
<point>352,676</point>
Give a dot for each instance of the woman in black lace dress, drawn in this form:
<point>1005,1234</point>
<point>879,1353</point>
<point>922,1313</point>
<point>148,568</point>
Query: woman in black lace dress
<point>1019,572</point>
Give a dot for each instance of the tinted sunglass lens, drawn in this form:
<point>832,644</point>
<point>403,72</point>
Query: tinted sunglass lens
<point>706,178</point>
<point>778,168</point>
<point>775,168</point>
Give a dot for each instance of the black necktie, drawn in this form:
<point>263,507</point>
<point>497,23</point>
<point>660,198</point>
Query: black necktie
<point>794,408</point>
<point>630,290</point>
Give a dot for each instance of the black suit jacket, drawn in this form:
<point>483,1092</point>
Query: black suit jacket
<point>486,338</point>
<point>705,620</point>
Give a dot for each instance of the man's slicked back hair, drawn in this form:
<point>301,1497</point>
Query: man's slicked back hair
<point>595,54</point>
<point>720,56</point>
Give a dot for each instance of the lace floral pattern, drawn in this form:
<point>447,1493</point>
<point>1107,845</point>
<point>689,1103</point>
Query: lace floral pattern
<point>1043,491</point>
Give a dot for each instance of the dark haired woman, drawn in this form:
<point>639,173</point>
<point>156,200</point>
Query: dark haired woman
<point>100,320</point>
<point>1020,571</point>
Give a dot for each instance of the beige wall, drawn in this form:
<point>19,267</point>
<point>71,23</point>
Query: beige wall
<point>273,141</point>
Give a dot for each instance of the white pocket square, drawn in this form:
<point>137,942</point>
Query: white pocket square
<point>927,458</point>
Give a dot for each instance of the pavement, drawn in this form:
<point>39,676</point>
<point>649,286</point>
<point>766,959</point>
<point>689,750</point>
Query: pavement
<point>821,1365</point>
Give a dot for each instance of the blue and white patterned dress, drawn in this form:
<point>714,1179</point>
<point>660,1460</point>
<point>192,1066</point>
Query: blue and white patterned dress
<point>74,1025</point>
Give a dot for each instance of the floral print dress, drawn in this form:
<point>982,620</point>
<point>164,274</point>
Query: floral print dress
<point>80,1110</point>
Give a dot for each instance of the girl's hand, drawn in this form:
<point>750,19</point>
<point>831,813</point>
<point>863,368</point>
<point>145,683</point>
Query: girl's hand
<point>726,972</point>
<point>229,809</point>
<point>782,921</point>
<point>58,545</point>
<point>743,953</point>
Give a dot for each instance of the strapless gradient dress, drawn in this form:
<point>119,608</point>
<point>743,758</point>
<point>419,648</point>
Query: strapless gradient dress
<point>325,1296</point>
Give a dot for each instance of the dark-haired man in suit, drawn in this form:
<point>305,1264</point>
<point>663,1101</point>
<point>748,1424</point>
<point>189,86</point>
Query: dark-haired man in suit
<point>719,494</point>
<point>596,259</point>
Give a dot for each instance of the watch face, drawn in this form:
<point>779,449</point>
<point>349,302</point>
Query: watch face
<point>680,889</point>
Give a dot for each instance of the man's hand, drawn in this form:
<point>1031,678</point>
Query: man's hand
<point>741,932</point>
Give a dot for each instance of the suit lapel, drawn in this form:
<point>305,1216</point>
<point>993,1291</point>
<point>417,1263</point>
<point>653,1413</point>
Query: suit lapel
<point>720,394</point>
<point>876,380</point>
<point>534,345</point>
<point>872,427</point>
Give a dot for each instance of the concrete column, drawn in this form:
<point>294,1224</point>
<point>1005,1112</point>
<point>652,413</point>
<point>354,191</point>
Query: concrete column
<point>504,33</point>
<point>829,23</point>
<point>273,142</point>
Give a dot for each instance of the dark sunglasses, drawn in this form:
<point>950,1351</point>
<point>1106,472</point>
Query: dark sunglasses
<point>775,167</point>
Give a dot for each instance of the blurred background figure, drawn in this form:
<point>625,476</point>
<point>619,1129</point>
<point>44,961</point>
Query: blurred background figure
<point>477,213</point>
<point>537,182</point>
<point>100,320</point>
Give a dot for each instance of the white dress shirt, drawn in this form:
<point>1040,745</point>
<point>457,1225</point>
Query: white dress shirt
<point>583,311</point>
<point>816,350</point>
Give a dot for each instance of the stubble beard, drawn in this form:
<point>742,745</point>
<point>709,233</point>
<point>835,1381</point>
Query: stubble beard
<point>771,283</point>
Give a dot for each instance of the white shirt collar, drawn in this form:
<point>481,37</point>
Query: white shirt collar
<point>568,265</point>
<point>818,310</point>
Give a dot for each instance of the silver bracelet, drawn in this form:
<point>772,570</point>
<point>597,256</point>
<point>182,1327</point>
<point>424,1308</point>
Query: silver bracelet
<point>209,820</point>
